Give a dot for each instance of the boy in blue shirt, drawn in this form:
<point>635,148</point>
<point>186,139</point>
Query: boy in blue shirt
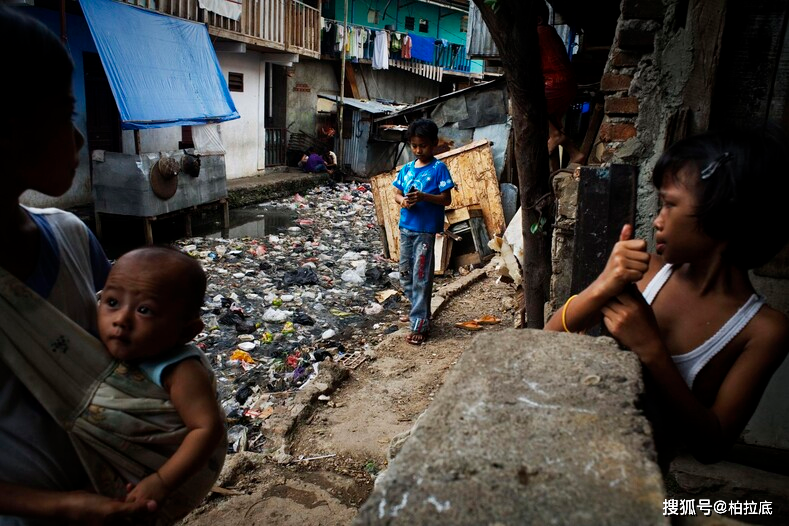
<point>422,189</point>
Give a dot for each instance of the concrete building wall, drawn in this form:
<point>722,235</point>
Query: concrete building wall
<point>244,138</point>
<point>304,81</point>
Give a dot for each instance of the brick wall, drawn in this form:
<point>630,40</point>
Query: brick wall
<point>639,22</point>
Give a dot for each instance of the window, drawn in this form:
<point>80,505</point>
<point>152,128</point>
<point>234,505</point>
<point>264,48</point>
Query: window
<point>464,24</point>
<point>235,81</point>
<point>372,16</point>
<point>423,25</point>
<point>409,23</point>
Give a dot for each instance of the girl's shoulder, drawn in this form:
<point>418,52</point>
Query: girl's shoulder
<point>769,329</point>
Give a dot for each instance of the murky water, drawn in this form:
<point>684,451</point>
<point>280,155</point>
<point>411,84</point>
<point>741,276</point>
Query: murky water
<point>122,234</point>
<point>250,221</point>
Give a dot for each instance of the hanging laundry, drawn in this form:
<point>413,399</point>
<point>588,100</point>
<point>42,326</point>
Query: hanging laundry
<point>339,41</point>
<point>395,44</point>
<point>422,48</point>
<point>381,52</point>
<point>350,49</point>
<point>361,38</point>
<point>405,52</point>
<point>369,44</point>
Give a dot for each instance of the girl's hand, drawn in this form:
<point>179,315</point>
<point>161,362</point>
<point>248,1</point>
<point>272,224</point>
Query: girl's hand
<point>627,264</point>
<point>631,321</point>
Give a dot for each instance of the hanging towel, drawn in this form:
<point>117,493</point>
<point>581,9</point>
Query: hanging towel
<point>123,426</point>
<point>405,52</point>
<point>422,48</point>
<point>381,52</point>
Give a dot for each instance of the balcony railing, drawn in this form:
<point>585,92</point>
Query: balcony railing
<point>286,25</point>
<point>447,57</point>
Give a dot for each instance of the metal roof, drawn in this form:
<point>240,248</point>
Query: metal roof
<point>370,106</point>
<point>441,98</point>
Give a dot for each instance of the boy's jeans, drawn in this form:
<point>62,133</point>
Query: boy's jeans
<point>416,275</point>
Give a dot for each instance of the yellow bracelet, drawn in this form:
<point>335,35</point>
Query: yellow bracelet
<point>564,312</point>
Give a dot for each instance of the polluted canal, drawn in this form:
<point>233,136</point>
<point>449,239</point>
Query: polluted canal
<point>292,284</point>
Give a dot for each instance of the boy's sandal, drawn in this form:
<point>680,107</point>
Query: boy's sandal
<point>416,338</point>
<point>488,320</point>
<point>469,325</point>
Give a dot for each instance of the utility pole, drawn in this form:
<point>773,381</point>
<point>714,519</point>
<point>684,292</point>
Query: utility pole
<point>341,149</point>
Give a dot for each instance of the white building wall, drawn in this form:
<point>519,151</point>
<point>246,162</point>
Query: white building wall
<point>243,137</point>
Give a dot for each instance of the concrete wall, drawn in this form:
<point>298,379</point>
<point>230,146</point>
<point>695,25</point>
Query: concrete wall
<point>244,138</point>
<point>551,435</point>
<point>304,81</point>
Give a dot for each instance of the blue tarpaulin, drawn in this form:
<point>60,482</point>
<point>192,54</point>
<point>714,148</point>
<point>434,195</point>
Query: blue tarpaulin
<point>163,71</point>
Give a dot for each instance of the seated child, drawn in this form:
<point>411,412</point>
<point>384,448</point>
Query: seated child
<point>149,309</point>
<point>707,340</point>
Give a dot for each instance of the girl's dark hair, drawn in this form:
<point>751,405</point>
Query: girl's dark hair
<point>424,128</point>
<point>30,51</point>
<point>741,186</point>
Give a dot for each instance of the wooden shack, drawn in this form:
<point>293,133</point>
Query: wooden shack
<point>475,180</point>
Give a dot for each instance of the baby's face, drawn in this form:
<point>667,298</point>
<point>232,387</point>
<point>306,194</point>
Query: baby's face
<point>139,313</point>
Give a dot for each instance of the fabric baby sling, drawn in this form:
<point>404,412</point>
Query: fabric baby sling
<point>122,425</point>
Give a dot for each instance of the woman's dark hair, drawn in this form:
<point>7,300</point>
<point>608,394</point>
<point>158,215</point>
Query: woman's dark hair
<point>424,128</point>
<point>30,51</point>
<point>541,8</point>
<point>740,189</point>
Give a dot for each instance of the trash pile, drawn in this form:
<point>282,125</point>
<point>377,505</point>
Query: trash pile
<point>278,306</point>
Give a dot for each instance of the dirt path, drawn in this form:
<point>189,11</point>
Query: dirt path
<point>382,398</point>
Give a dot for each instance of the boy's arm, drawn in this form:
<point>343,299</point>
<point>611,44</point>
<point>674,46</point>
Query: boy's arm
<point>79,507</point>
<point>400,199</point>
<point>708,431</point>
<point>192,394</point>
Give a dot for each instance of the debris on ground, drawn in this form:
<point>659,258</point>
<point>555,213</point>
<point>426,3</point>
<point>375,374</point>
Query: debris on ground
<point>279,306</point>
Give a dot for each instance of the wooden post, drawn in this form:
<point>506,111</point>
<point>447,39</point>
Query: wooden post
<point>341,149</point>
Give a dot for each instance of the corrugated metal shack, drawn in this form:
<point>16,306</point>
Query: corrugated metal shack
<point>363,153</point>
<point>464,116</point>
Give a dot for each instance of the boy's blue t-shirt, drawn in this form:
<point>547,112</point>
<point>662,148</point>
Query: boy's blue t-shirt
<point>433,178</point>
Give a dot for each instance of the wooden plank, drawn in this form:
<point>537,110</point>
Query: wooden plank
<point>463,214</point>
<point>475,180</point>
<point>350,80</point>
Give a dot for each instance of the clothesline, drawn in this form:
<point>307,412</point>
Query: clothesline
<point>354,40</point>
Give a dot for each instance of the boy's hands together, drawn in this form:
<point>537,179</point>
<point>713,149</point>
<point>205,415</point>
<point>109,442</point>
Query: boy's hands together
<point>627,264</point>
<point>411,198</point>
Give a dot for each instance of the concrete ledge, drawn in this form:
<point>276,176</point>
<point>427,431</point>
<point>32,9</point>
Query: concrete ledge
<point>531,427</point>
<point>252,190</point>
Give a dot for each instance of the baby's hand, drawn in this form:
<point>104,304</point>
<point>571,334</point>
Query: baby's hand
<point>150,488</point>
<point>627,264</point>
